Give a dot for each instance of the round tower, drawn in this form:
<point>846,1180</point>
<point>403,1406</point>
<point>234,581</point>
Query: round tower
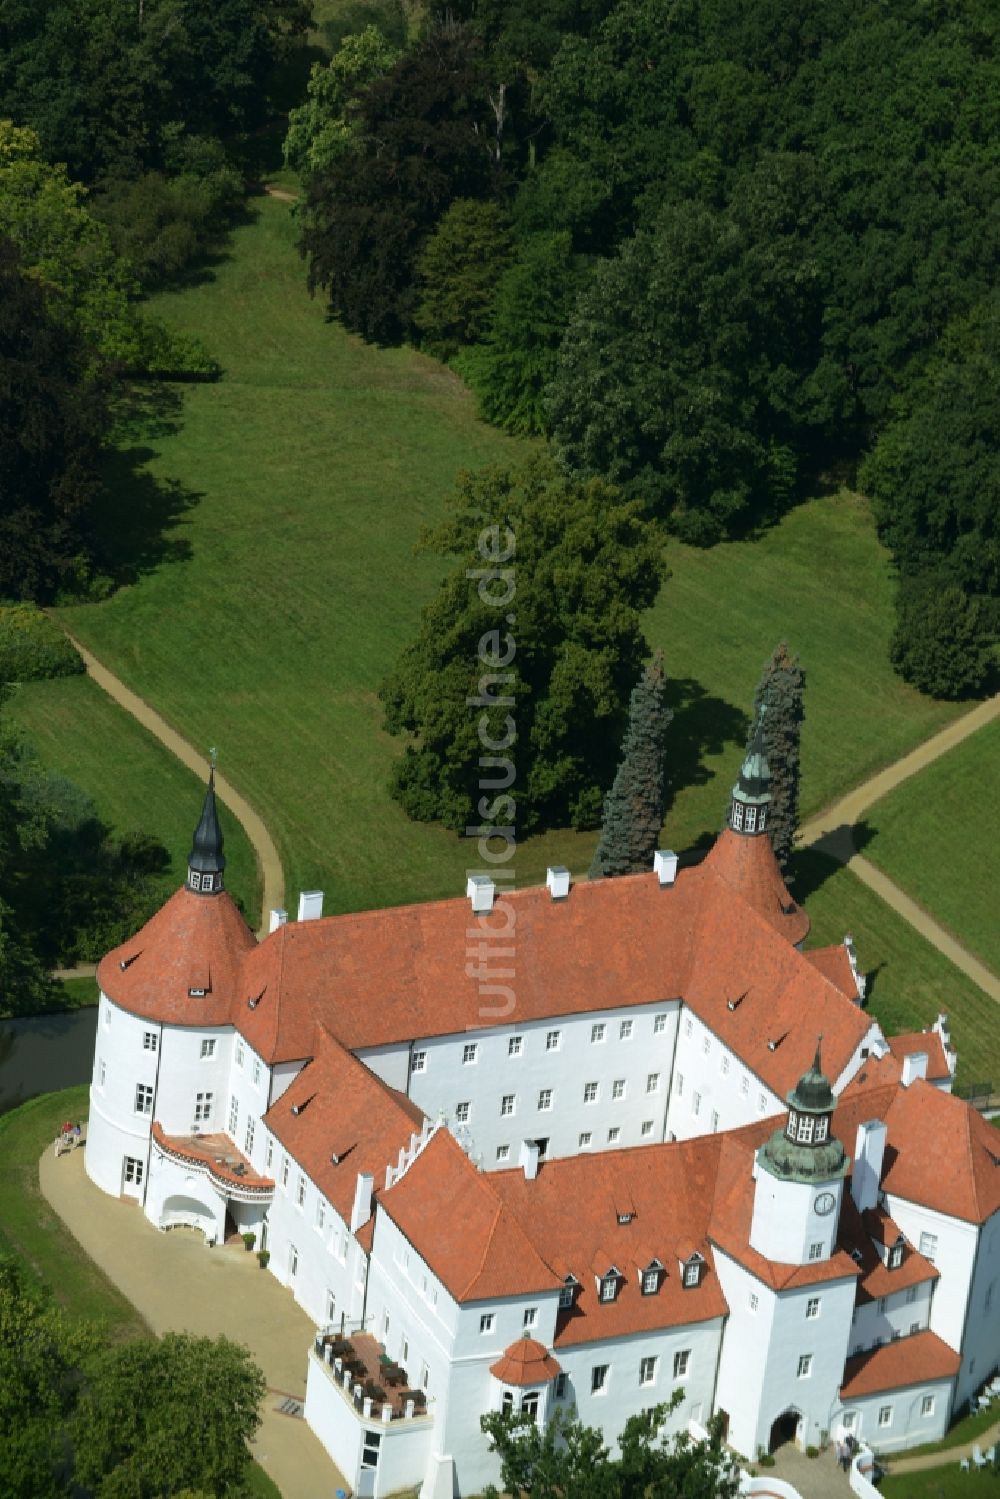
<point>800,1177</point>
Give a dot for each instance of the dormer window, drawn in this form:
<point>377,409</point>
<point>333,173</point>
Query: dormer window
<point>568,1291</point>
<point>197,993</point>
<point>625,1217</point>
<point>693,1267</point>
<point>609,1287</point>
<point>649,1279</point>
<point>896,1255</point>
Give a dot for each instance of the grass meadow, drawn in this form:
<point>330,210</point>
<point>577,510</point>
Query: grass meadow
<point>935,835</point>
<point>135,783</point>
<point>286,584</point>
<point>910,982</point>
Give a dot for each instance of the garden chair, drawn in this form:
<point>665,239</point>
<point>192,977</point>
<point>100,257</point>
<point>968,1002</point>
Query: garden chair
<point>964,1465</point>
<point>977,1456</point>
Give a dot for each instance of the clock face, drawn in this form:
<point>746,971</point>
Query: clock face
<point>825,1203</point>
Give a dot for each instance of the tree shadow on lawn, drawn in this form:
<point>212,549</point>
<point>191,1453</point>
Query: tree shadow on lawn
<point>702,725</point>
<point>138,509</point>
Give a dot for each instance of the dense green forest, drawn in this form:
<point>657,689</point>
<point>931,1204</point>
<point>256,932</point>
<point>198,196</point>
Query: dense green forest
<point>713,251</point>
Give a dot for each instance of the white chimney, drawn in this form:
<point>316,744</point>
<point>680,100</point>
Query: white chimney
<point>529,1159</point>
<point>557,880</point>
<point>362,1209</point>
<point>866,1173</point>
<point>914,1066</point>
<point>310,905</point>
<point>665,865</point>
<point>278,918</point>
<point>480,890</point>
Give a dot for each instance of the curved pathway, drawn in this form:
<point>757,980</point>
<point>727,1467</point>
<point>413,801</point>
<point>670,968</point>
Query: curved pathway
<point>832,833</point>
<point>272,874</point>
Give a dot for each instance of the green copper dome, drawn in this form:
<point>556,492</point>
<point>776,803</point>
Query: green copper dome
<point>805,1150</point>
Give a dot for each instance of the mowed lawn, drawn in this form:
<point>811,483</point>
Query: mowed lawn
<point>135,783</point>
<point>910,981</point>
<point>936,836</point>
<point>312,467</point>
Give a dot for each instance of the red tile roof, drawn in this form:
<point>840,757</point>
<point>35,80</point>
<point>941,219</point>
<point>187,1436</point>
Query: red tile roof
<point>942,1153</point>
<point>918,1359</point>
<point>452,1215</point>
<point>748,865</point>
<point>346,1111</point>
<point>570,1212</point>
<point>193,942</point>
<point>863,1232</point>
<point>927,1041</point>
<point>525,1363</point>
<point>834,963</point>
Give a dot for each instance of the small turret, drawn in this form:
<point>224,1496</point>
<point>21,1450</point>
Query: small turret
<point>206,860</point>
<point>800,1177</point>
<point>748,809</point>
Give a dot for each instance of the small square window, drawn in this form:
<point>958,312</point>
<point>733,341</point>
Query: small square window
<point>652,1082</point>
<point>102,1073</point>
<point>754,1301</point>
<point>503,1152</point>
<point>688,1026</point>
<point>418,1062</point>
<point>553,1040</point>
<point>470,1053</point>
<point>598,1032</point>
<point>914,1327</point>
<point>300,1191</point>
<point>927,1405</point>
<point>928,1246</point>
<point>724,1064</point>
<point>761,1102</point>
<point>679,1087</point>
<point>647,1370</point>
<point>561,1386</point>
<point>514,1046</point>
<point>618,1088</point>
<point>805,1365</point>
<point>240,1053</point>
<point>648,1126</point>
<point>208,1047</point>
<point>486,1322</point>
<point>461,1113</point>
<point>256,1072</point>
<point>706,1045</point>
<point>696,1103</point>
<point>744,1086</point>
<point>599,1379</point>
<point>625,1030</point>
<point>715,1121</point>
<point>815,1251</point>
<point>320,1214</point>
<point>585,1139</point>
<point>812,1307</point>
<point>149,1040</point>
<point>885,1415</point>
<point>545,1099</point>
<point>143,1097</point>
<point>284,1171</point>
<point>681,1361</point>
<point>507,1105</point>
<point>203,1107</point>
<point>530,1318</point>
<point>590,1092</point>
<point>614,1135</point>
<point>659,1024</point>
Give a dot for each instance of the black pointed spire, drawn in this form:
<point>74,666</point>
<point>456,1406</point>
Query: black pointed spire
<point>206,860</point>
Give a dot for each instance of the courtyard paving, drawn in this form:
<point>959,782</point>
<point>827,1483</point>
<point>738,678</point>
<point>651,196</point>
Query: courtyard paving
<point>180,1285</point>
<point>814,1477</point>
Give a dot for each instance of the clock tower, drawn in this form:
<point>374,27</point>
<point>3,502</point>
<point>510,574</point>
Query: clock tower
<point>800,1178</point>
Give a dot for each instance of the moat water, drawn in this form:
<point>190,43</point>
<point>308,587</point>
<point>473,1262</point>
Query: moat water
<point>42,1053</point>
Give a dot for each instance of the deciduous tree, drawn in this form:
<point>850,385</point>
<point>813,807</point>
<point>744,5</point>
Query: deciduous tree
<point>545,672</point>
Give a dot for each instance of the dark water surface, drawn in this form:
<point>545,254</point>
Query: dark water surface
<point>45,1052</point>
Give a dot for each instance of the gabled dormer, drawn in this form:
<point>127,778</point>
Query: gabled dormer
<point>568,1290</point>
<point>692,1268</point>
<point>651,1277</point>
<point>608,1278</point>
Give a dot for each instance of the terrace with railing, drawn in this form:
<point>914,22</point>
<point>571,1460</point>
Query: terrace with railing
<point>215,1156</point>
<point>375,1384</point>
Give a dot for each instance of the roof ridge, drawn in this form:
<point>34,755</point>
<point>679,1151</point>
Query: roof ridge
<point>486,1249</point>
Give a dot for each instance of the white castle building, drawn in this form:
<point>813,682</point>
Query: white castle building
<point>624,1170</point>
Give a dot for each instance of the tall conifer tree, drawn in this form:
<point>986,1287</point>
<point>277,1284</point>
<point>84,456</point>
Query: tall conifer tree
<point>633,808</point>
<point>781,688</point>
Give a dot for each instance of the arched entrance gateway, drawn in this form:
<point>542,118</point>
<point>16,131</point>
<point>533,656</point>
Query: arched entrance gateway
<point>785,1429</point>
